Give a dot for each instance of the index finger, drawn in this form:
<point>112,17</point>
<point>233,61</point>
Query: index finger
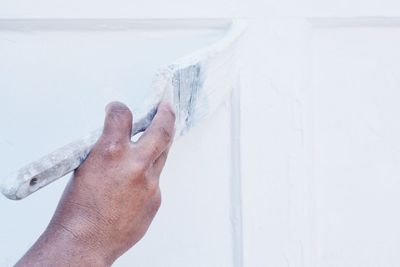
<point>159,135</point>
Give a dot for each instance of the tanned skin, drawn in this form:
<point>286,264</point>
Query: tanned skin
<point>112,198</point>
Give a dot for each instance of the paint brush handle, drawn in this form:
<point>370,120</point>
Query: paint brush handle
<point>62,161</point>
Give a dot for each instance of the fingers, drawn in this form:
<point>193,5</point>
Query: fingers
<point>159,135</point>
<point>118,123</point>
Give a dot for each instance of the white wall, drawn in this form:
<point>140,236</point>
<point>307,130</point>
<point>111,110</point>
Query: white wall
<point>319,149</point>
<point>321,168</point>
<point>57,76</point>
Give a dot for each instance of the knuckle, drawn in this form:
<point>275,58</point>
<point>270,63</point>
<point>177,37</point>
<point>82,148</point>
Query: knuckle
<point>155,202</point>
<point>166,134</point>
<point>154,149</point>
<point>152,187</point>
<point>112,149</point>
<point>139,170</point>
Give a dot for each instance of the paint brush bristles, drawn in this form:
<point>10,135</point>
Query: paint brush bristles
<point>195,86</point>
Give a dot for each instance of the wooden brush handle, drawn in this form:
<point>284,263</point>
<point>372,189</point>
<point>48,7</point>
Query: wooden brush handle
<point>55,165</point>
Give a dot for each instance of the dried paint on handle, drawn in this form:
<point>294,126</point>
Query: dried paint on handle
<point>196,85</point>
<point>57,164</point>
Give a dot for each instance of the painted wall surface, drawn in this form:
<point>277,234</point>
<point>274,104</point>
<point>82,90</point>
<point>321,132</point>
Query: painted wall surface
<point>320,175</point>
<point>320,163</point>
<point>55,82</point>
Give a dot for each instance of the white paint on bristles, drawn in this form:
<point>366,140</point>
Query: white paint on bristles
<point>195,86</point>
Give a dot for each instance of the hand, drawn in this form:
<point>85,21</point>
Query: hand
<point>113,197</point>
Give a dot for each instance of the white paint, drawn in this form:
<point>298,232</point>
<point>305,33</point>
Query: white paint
<point>321,172</point>
<point>61,71</point>
<point>357,192</point>
<point>197,9</point>
<point>318,139</point>
<point>130,58</point>
<point>191,84</point>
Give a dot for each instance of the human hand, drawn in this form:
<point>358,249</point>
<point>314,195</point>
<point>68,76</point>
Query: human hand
<point>113,197</point>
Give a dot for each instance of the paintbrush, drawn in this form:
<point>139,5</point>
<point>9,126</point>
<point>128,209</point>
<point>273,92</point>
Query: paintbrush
<point>195,85</point>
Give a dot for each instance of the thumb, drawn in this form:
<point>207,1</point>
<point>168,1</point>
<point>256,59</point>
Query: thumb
<point>118,122</point>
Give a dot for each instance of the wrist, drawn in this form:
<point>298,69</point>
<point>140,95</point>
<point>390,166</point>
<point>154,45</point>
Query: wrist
<point>58,246</point>
<point>78,247</point>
